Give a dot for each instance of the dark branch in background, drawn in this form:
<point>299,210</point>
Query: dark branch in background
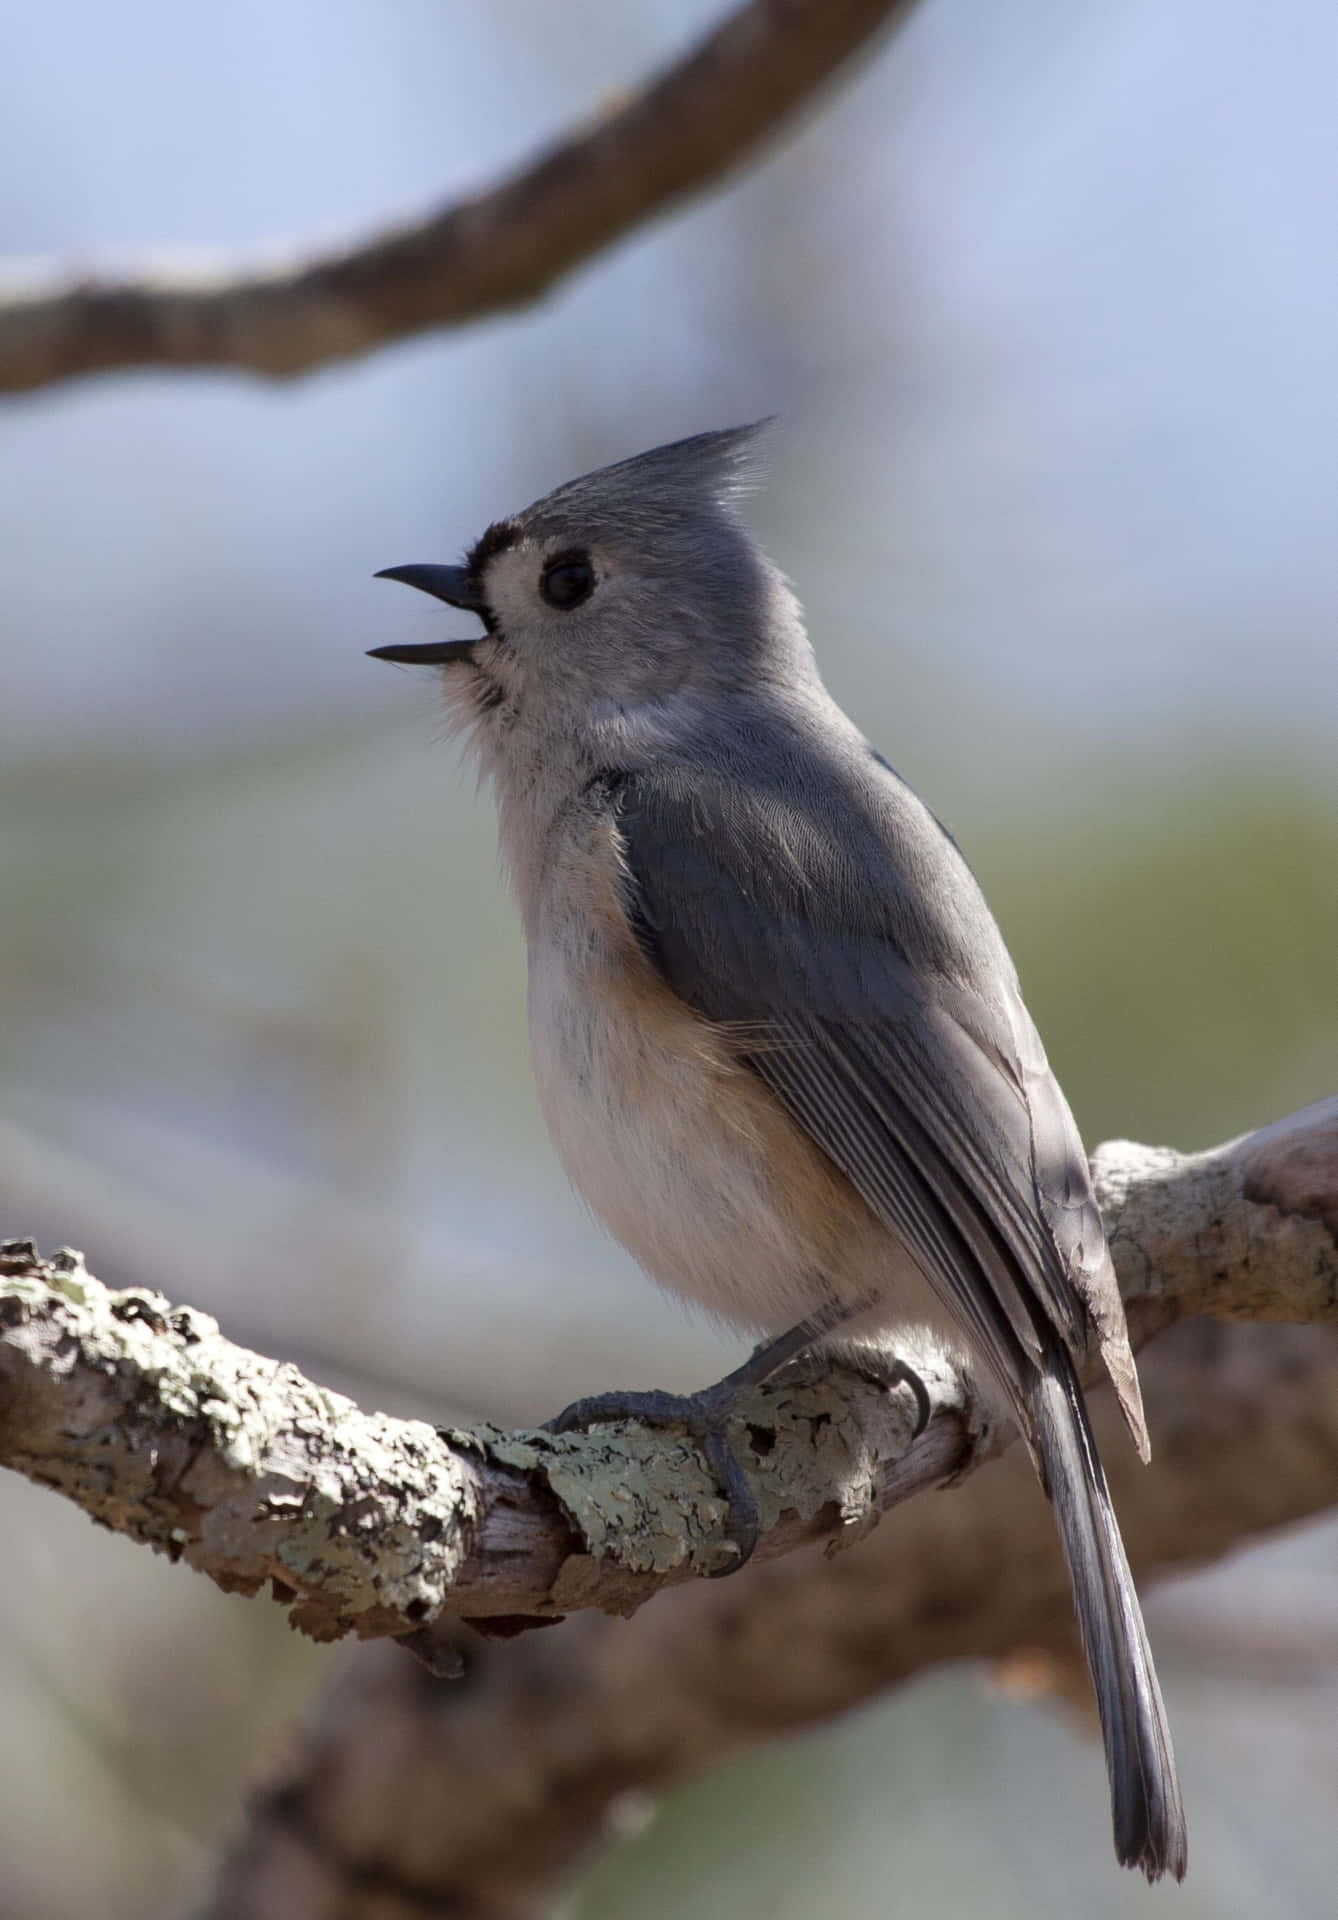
<point>687,128</point>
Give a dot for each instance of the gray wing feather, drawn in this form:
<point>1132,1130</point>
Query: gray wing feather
<point>887,1019</point>
<point>837,931</point>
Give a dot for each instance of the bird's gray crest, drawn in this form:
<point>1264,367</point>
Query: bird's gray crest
<point>709,470</point>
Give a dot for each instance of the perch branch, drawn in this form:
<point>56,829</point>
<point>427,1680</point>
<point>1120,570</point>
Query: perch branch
<point>159,1427</point>
<point>500,248</point>
<point>557,1740</point>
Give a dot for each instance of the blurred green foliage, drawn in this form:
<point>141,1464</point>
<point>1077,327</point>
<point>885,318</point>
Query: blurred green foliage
<point>1178,945</point>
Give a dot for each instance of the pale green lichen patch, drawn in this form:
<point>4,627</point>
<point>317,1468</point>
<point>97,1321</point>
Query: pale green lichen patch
<point>820,1454</point>
<point>646,1499</point>
<point>637,1495</point>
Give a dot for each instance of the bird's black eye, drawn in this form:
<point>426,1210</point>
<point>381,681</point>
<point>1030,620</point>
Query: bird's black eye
<point>567,580</point>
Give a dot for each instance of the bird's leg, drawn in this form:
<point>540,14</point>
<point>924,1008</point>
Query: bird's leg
<point>705,1416</point>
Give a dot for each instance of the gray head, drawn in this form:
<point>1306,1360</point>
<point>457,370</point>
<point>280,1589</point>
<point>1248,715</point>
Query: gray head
<point>615,593</point>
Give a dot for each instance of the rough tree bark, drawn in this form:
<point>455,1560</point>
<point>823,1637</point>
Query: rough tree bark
<point>161,1428</point>
<point>407,1798</point>
<point>500,248</point>
<point>157,1425</point>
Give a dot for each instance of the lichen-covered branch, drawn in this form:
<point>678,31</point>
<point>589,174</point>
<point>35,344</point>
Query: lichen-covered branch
<point>500,248</point>
<point>146,1416</point>
<point>525,1770</point>
<point>403,1799</point>
<point>158,1426</point>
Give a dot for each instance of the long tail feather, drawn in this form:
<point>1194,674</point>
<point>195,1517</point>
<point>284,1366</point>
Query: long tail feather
<point>1145,1793</point>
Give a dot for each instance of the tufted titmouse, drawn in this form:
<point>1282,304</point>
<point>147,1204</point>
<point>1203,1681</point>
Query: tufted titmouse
<point>779,1042</point>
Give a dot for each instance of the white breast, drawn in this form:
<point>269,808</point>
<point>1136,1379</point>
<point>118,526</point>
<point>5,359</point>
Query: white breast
<point>653,1127</point>
<point>681,1150</point>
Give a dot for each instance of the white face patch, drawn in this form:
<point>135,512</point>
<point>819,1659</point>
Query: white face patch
<point>510,586</point>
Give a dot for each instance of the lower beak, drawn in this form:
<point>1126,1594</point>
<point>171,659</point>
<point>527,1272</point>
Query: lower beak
<point>432,653</point>
<point>454,586</point>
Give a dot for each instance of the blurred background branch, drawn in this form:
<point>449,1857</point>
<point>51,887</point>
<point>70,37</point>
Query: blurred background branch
<point>500,248</point>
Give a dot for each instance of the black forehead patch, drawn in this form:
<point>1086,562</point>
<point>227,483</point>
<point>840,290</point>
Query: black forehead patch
<point>501,535</point>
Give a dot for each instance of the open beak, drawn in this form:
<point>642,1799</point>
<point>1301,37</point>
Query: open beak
<point>454,586</point>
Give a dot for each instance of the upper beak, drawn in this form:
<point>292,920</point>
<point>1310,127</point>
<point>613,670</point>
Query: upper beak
<point>454,586</point>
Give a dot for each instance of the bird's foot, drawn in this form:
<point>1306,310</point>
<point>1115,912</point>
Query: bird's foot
<point>704,1417</point>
